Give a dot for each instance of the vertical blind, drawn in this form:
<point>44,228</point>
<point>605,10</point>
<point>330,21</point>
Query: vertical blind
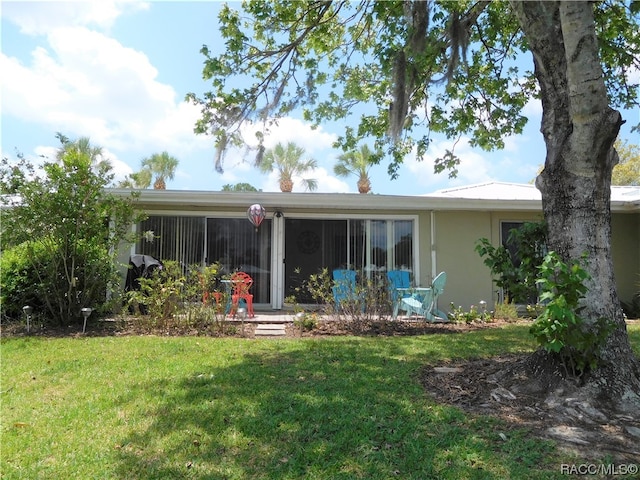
<point>173,238</point>
<point>366,245</point>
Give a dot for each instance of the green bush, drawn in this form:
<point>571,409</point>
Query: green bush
<point>474,314</point>
<point>30,275</point>
<point>161,294</point>
<point>179,299</point>
<point>20,284</point>
<point>65,228</point>
<point>516,274</point>
<point>560,329</point>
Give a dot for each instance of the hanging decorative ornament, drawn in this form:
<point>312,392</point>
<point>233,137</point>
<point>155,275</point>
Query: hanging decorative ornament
<point>256,214</point>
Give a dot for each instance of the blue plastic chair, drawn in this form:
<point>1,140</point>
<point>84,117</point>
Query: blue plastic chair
<point>427,305</point>
<point>399,288</point>
<point>344,287</point>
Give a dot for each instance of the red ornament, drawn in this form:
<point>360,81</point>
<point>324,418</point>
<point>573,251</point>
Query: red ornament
<point>256,214</point>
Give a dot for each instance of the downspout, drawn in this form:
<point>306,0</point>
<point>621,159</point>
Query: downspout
<point>434,266</point>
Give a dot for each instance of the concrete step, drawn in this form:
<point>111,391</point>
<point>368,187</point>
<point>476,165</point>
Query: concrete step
<point>270,329</point>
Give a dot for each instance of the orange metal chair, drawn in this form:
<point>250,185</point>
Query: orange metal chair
<point>241,284</point>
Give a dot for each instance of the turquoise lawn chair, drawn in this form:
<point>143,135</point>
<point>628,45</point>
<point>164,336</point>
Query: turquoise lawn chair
<point>399,288</point>
<point>427,304</point>
<point>344,288</point>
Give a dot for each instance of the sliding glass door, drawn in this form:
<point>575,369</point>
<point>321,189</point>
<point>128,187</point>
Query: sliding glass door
<point>372,247</point>
<point>237,246</point>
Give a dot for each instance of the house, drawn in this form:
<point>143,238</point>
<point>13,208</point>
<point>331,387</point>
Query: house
<point>304,232</point>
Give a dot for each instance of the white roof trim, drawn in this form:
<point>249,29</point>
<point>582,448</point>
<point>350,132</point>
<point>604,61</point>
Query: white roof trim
<point>498,196</point>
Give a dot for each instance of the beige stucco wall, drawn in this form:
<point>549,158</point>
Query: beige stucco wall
<point>456,233</point>
<point>625,250</point>
<point>469,280</point>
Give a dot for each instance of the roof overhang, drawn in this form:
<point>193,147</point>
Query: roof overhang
<point>184,200</point>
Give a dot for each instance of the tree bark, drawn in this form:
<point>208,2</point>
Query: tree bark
<point>579,129</point>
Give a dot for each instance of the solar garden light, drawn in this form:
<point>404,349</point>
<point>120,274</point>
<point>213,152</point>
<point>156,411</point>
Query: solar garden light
<point>241,313</point>
<point>299,320</point>
<point>483,307</point>
<point>28,311</point>
<point>86,311</point>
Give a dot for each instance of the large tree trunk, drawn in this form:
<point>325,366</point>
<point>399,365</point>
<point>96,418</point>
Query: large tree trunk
<point>579,129</point>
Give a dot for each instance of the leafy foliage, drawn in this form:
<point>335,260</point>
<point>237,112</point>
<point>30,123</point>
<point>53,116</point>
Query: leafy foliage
<point>239,187</point>
<point>474,314</point>
<point>516,274</point>
<point>61,219</point>
<point>559,328</point>
<point>177,299</point>
<point>627,171</point>
<point>20,282</point>
<point>370,300</point>
<point>418,67</point>
<point>159,295</point>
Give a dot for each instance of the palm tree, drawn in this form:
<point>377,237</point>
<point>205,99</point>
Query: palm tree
<point>81,146</point>
<point>357,163</point>
<point>162,167</point>
<point>288,161</point>
<point>141,179</point>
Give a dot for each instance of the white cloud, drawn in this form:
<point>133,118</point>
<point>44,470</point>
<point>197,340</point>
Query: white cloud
<point>473,168</point>
<point>84,83</point>
<point>40,18</point>
<point>533,110</point>
<point>120,169</point>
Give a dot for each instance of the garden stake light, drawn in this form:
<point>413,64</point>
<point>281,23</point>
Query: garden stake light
<point>28,311</point>
<point>85,313</point>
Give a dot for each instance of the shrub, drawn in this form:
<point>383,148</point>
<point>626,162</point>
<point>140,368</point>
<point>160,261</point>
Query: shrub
<point>506,310</point>
<point>370,300</point>
<point>30,274</point>
<point>19,281</point>
<point>178,298</point>
<point>305,321</point>
<point>474,314</point>
<point>560,329</point>
<point>68,226</point>
<point>159,295</point>
<point>516,274</point>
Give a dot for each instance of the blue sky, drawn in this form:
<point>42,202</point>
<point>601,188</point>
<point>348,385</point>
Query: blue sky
<point>118,72</point>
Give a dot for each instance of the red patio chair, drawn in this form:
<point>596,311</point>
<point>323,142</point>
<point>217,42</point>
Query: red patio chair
<point>241,284</point>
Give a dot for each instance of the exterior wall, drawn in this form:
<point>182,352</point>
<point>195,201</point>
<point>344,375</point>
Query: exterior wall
<point>423,231</point>
<point>468,280</point>
<point>625,249</point>
<point>456,233</point>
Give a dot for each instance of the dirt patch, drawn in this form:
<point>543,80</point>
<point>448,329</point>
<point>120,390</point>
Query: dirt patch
<point>506,387</point>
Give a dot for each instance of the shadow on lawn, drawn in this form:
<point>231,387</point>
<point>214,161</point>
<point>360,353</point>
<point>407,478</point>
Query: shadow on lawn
<point>316,409</point>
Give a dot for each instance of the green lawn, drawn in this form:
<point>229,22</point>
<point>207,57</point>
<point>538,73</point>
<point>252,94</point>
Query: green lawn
<point>208,408</point>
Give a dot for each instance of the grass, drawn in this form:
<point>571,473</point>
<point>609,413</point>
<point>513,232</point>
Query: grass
<point>206,408</point>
